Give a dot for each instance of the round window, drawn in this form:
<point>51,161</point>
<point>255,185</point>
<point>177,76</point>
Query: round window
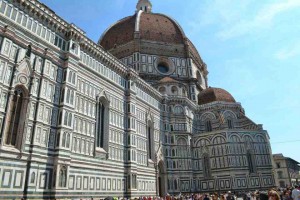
<point>163,68</point>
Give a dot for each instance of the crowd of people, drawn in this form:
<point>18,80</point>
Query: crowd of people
<point>289,193</point>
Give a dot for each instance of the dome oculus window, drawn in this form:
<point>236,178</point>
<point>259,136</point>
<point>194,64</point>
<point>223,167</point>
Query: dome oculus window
<point>163,68</point>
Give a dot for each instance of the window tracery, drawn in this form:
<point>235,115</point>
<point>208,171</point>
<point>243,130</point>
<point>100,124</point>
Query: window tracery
<point>16,118</point>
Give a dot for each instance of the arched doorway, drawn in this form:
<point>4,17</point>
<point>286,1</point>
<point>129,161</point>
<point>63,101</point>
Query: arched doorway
<point>161,179</point>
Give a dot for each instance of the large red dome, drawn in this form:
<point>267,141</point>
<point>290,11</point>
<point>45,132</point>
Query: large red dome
<point>152,27</point>
<point>144,31</point>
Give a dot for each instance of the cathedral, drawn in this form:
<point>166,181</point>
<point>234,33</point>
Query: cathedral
<point>132,115</point>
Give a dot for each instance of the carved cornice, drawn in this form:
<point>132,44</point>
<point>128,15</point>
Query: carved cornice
<point>218,105</point>
<point>181,100</point>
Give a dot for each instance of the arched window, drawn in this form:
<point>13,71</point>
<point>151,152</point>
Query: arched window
<point>172,139</point>
<point>251,163</point>
<point>173,152</point>
<point>206,166</point>
<point>174,90</point>
<point>62,95</point>
<point>64,139</point>
<point>70,77</point>
<point>102,118</point>
<point>75,145</point>
<point>149,143</point>
<point>70,119</point>
<point>66,118</point>
<point>16,118</point>
<point>183,92</point>
<point>62,181</point>
<point>68,141</point>
<point>208,126</point>
<point>162,89</point>
<point>178,110</point>
<point>229,123</point>
<point>73,78</point>
<point>175,185</point>
<point>32,178</point>
<point>100,123</point>
<point>68,96</point>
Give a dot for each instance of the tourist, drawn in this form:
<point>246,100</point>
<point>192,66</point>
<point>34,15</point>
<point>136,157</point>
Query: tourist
<point>296,193</point>
<point>206,197</point>
<point>273,195</point>
<point>230,196</point>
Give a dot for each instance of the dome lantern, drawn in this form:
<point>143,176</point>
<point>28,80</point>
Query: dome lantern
<point>144,5</point>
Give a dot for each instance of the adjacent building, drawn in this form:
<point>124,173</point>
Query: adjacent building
<point>131,116</point>
<point>287,171</point>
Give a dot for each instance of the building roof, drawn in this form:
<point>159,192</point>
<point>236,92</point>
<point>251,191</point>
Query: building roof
<point>167,80</point>
<point>151,26</point>
<point>211,94</point>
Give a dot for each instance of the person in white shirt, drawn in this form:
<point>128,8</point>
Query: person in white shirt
<point>296,193</point>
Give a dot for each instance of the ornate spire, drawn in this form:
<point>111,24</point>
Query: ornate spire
<point>144,5</point>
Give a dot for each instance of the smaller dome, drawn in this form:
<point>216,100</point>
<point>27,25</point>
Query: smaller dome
<point>211,94</point>
<point>167,80</point>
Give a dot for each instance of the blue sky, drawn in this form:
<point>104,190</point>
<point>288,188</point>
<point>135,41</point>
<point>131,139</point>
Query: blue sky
<point>251,48</point>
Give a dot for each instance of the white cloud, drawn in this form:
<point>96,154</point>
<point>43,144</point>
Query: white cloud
<point>223,13</point>
<point>288,52</point>
<point>262,19</point>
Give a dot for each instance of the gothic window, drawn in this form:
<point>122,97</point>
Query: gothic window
<point>251,163</point>
<point>16,118</point>
<point>174,90</point>
<point>64,139</point>
<point>229,123</point>
<point>68,119</point>
<point>174,164</point>
<point>102,121</point>
<point>129,181</point>
<point>173,152</point>
<point>175,184</point>
<point>70,76</point>
<point>62,181</point>
<point>134,181</point>
<point>32,178</point>
<point>68,141</point>
<point>162,89</point>
<point>178,110</point>
<point>101,110</point>
<point>149,143</point>
<point>62,95</point>
<point>68,96</point>
<point>172,139</point>
<point>206,166</point>
<point>183,92</point>
<point>208,126</point>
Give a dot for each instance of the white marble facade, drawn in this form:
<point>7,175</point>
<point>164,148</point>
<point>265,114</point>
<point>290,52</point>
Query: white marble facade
<point>76,122</point>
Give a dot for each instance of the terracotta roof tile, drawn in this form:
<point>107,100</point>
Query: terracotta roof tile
<point>210,95</point>
<point>167,80</point>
